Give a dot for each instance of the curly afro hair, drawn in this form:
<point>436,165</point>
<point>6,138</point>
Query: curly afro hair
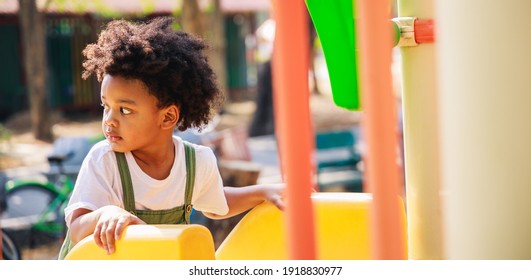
<point>170,63</point>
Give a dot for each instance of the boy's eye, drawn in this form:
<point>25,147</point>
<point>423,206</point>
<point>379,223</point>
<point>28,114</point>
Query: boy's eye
<point>125,111</point>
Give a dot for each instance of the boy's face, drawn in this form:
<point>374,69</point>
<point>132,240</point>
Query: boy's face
<point>131,118</point>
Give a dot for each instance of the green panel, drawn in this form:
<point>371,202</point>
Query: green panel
<point>59,63</point>
<point>10,71</point>
<point>334,23</point>
<point>236,51</point>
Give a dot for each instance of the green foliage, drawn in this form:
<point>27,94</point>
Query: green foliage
<point>105,11</point>
<point>5,143</point>
<point>5,134</point>
<point>60,4</point>
<point>176,26</point>
<point>82,6</point>
<point>176,14</point>
<point>210,8</point>
<point>148,6</point>
<point>102,8</point>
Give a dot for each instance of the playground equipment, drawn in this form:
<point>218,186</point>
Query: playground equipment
<point>295,142</point>
<point>484,141</point>
<point>466,146</point>
<point>260,235</point>
<point>465,201</point>
<point>334,23</point>
<point>421,141</point>
<point>152,242</point>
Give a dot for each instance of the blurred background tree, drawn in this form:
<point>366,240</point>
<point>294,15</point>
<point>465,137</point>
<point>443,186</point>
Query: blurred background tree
<point>34,55</point>
<point>209,26</point>
<point>40,73</point>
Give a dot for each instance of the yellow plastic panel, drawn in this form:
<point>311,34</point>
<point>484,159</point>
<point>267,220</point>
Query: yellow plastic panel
<point>342,230</point>
<point>152,242</point>
<point>258,236</point>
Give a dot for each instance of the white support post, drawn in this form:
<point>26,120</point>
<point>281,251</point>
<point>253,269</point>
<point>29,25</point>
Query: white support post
<point>484,70</point>
<point>419,108</point>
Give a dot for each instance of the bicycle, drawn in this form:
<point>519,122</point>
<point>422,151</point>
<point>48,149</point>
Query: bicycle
<point>37,205</point>
<point>10,250</point>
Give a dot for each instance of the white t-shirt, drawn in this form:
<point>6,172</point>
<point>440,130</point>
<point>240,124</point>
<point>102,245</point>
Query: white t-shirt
<point>98,183</point>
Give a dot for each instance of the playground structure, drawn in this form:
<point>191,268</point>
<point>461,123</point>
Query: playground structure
<point>465,134</point>
<point>260,235</point>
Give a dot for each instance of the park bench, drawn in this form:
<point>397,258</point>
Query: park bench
<point>337,161</point>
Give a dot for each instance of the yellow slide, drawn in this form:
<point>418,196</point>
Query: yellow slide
<point>342,232</point>
<point>152,242</point>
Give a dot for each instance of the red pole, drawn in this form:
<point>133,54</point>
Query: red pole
<point>293,124</point>
<point>383,179</point>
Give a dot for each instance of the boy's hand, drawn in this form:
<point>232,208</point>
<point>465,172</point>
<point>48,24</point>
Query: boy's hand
<point>111,223</point>
<point>274,193</point>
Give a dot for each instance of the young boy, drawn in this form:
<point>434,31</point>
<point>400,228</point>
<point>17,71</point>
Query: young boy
<point>153,80</point>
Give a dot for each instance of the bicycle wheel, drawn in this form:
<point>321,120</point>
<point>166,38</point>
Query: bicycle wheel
<point>25,204</point>
<point>10,250</point>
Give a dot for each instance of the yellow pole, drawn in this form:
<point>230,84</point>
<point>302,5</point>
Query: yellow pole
<point>419,108</point>
<point>484,67</point>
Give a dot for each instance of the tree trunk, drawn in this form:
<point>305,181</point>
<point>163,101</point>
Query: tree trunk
<point>192,18</point>
<point>216,37</point>
<point>34,53</point>
<point>211,29</point>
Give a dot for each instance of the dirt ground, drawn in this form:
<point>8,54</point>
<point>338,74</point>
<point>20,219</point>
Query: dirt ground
<point>20,151</point>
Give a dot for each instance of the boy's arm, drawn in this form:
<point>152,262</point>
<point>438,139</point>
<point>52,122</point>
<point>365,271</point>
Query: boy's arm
<point>241,199</point>
<point>106,223</point>
<point>83,224</point>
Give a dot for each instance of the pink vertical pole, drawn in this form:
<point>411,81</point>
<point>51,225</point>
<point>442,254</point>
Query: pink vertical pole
<point>383,180</point>
<point>290,81</point>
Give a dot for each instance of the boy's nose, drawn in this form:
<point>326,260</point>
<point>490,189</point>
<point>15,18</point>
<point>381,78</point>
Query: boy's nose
<point>109,119</point>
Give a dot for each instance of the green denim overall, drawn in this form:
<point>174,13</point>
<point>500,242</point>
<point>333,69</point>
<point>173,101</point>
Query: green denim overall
<point>177,215</point>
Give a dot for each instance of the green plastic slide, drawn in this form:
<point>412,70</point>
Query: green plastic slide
<point>334,23</point>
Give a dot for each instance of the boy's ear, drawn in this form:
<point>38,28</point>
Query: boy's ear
<point>171,116</point>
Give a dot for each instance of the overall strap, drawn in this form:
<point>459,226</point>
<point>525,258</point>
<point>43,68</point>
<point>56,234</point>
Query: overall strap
<point>189,152</point>
<point>127,185</point>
